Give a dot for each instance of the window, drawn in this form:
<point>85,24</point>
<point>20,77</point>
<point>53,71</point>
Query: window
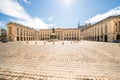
<point>17,31</point>
<point>118,26</point>
<point>24,32</point>
<point>10,30</point>
<point>105,29</point>
<point>21,32</point>
<point>101,30</point>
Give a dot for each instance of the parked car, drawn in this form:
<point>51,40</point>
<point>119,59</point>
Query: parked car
<point>116,41</point>
<point>4,40</point>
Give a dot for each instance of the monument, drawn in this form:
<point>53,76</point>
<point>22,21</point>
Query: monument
<point>53,36</point>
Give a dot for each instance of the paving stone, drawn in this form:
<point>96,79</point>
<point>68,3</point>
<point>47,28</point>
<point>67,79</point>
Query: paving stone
<point>87,59</point>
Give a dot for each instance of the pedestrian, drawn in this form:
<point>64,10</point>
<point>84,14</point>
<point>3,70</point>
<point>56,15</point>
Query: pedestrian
<point>27,42</point>
<point>62,43</point>
<point>76,41</point>
<point>35,42</point>
<point>44,43</point>
<point>53,43</point>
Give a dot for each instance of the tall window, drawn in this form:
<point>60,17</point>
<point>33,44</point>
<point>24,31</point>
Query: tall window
<point>105,29</point>
<point>98,30</point>
<point>17,31</point>
<point>24,32</point>
<point>21,32</point>
<point>101,29</point>
<point>10,30</point>
<point>118,26</point>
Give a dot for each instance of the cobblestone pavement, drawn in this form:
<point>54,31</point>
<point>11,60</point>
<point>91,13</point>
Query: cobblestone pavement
<point>61,60</point>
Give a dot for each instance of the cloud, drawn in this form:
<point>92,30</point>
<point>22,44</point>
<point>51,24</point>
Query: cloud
<point>26,1</point>
<point>13,9</point>
<point>52,25</point>
<point>33,23</point>
<point>99,17</point>
<point>50,18</point>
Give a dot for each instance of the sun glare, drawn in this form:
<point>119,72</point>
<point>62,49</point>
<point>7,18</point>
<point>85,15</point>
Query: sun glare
<point>68,3</point>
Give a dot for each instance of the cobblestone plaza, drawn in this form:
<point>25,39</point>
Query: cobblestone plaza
<point>60,60</point>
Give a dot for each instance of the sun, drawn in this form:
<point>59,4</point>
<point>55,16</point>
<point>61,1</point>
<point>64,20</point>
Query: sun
<point>67,3</point>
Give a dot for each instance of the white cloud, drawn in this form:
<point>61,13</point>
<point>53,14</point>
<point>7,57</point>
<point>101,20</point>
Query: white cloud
<point>26,1</point>
<point>33,23</point>
<point>99,17</point>
<point>52,25</point>
<point>50,18</point>
<point>13,9</point>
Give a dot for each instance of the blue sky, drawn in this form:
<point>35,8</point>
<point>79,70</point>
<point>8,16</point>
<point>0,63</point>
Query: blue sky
<point>41,14</point>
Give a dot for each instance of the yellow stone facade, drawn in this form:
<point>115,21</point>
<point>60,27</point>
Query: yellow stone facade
<point>105,30</point>
<point>61,34</point>
<point>18,32</point>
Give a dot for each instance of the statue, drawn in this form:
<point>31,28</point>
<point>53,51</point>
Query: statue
<point>53,30</point>
<point>53,36</point>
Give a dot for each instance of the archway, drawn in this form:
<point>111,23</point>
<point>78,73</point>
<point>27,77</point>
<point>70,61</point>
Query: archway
<point>97,38</point>
<point>101,38</point>
<point>118,37</point>
<point>17,38</point>
<point>106,38</point>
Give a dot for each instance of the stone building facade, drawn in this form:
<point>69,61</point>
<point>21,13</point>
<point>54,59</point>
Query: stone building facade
<point>61,34</point>
<point>18,32</point>
<point>105,30</point>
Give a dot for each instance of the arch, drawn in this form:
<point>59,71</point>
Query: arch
<point>17,38</point>
<point>118,37</point>
<point>106,38</point>
<point>101,38</point>
<point>97,38</point>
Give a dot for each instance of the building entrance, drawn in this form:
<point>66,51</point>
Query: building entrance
<point>118,37</point>
<point>106,38</point>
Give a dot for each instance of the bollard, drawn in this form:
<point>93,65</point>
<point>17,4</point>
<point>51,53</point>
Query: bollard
<point>71,42</point>
<point>35,42</point>
<point>27,42</point>
<point>53,43</point>
<point>62,43</point>
<point>76,41</point>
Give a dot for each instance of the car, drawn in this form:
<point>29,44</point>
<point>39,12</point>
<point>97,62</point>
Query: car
<point>4,40</point>
<point>116,41</point>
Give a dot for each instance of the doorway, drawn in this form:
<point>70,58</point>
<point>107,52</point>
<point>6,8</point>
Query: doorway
<point>106,38</point>
<point>118,37</point>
